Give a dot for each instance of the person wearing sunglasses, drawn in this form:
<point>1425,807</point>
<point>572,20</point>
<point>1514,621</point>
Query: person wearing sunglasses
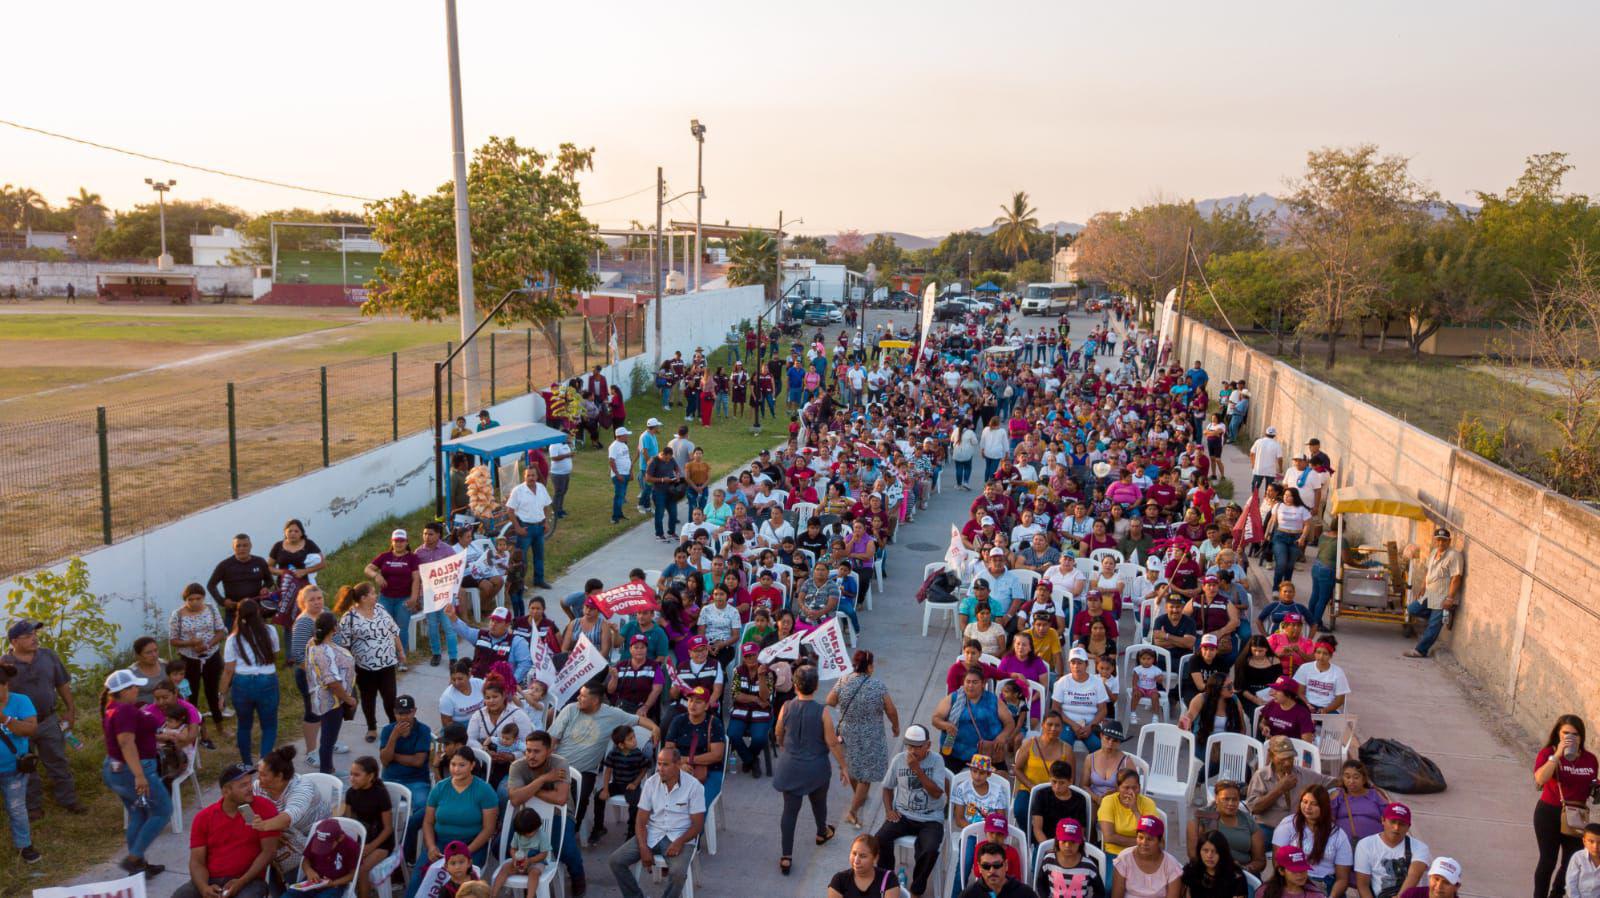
<point>992,880</point>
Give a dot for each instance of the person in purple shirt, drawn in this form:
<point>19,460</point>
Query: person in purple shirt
<point>434,548</point>
<point>1287,714</point>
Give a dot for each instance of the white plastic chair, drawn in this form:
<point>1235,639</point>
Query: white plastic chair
<point>1130,657</point>
<point>1237,756</point>
<point>849,633</point>
<point>714,820</point>
<point>929,607</point>
<point>1336,739</point>
<point>1037,693</point>
<point>1028,579</point>
<point>1172,767</point>
<point>1306,754</point>
<point>1098,554</point>
<point>356,831</point>
<point>329,788</point>
<point>177,793</point>
<point>555,823</point>
<point>804,511</point>
<point>1128,572</point>
<point>661,864</point>
<point>905,846</point>
<point>1085,566</point>
<point>483,757</point>
<point>399,816</point>
<point>1090,809</point>
<point>1254,882</point>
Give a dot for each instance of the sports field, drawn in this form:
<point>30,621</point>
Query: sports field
<point>162,375</point>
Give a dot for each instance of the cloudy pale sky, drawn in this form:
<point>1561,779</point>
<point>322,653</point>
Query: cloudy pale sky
<point>919,117</point>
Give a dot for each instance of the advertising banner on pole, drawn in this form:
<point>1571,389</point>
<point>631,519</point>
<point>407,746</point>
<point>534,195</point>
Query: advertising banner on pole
<point>925,321</point>
<point>833,660</point>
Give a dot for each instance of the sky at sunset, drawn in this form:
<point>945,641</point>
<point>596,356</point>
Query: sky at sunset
<point>918,117</point>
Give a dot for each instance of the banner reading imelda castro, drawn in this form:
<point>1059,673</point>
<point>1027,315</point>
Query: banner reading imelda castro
<point>828,642</point>
<point>441,580</point>
<point>629,598</point>
<point>585,664</point>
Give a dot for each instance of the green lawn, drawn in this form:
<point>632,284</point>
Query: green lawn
<point>184,329</point>
<point>25,381</point>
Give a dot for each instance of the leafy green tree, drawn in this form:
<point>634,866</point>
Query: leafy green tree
<point>883,252</point>
<point>527,222</point>
<point>800,247</point>
<point>1260,287</point>
<point>1017,226</point>
<point>1344,214</point>
<point>753,259</point>
<point>72,620</point>
<point>1525,234</point>
<point>136,234</point>
<point>1030,271</point>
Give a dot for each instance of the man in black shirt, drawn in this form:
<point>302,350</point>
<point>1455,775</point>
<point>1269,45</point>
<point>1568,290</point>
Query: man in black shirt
<point>812,540</point>
<point>241,576</point>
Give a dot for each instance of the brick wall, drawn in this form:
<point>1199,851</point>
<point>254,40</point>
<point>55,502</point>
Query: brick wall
<point>1530,611</point>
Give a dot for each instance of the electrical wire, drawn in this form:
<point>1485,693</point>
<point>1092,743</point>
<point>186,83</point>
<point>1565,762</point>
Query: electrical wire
<point>617,198</point>
<point>189,165</point>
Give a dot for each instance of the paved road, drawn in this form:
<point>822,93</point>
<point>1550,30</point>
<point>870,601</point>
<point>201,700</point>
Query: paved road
<point>1482,819</point>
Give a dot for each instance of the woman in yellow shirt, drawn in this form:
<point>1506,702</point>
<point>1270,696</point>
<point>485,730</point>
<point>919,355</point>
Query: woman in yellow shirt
<point>1120,812</point>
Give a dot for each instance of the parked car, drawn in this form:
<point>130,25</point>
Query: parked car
<point>821,313</point>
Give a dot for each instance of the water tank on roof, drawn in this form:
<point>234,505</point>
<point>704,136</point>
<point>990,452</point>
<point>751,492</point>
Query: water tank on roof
<point>676,282</point>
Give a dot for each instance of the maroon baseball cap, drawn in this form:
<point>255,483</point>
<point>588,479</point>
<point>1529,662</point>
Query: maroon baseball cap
<point>996,823</point>
<point>1397,812</point>
<point>1069,830</point>
<point>697,642</point>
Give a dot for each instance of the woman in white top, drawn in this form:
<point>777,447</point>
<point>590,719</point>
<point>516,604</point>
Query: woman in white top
<point>250,677</point>
<point>1311,829</point>
<point>963,449</point>
<point>463,696</point>
<point>498,728</point>
<point>1322,682</point>
<point>1287,524</point>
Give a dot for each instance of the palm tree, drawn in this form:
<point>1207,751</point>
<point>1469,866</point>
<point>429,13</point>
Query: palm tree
<point>753,259</point>
<point>88,214</point>
<point>1015,228</point>
<point>27,207</point>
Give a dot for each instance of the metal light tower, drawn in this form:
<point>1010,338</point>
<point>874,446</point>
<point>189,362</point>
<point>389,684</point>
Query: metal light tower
<point>163,261</point>
<point>699,132</point>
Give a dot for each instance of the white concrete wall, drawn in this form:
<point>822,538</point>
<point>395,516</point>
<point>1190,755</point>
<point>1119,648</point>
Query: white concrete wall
<point>53,277</point>
<point>701,319</point>
<point>140,578</point>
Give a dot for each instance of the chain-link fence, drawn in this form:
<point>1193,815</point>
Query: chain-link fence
<point>76,481</point>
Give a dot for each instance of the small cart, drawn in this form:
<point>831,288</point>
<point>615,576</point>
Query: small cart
<point>1372,580</point>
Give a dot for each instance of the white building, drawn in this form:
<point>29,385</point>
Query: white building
<point>818,280</point>
<point>215,248</point>
<point>1064,267</point>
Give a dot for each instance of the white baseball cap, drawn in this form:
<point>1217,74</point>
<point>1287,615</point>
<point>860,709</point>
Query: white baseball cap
<point>1078,653</point>
<point>916,734</point>
<point>622,431</point>
<point>653,422</point>
<point>399,534</point>
<point>1271,431</point>
<point>1448,867</point>
<point>123,679</point>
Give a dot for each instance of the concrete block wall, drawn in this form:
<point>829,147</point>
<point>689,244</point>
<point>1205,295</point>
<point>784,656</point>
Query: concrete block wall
<point>51,278</point>
<point>1529,610</point>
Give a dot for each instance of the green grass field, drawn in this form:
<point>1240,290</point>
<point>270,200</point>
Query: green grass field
<point>164,329</point>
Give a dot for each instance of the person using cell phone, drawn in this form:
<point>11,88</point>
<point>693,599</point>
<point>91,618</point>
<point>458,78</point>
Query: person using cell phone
<point>228,857</point>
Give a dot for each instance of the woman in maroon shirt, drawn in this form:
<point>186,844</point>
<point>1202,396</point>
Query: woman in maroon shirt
<point>1564,771</point>
<point>130,767</point>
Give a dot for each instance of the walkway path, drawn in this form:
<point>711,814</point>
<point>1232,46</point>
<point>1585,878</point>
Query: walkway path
<point>1482,819</point>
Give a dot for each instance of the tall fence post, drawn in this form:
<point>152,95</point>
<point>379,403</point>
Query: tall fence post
<point>561,373</point>
<point>105,473</point>
<point>586,330</point>
<point>323,377</point>
<point>491,368</point>
<point>394,395</point>
<point>450,381</point>
<point>233,445</point>
<point>530,360</point>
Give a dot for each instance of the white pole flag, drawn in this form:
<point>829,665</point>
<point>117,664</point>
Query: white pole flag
<point>584,664</point>
<point>787,647</point>
<point>955,557</point>
<point>441,580</point>
<point>544,663</point>
<point>827,641</point>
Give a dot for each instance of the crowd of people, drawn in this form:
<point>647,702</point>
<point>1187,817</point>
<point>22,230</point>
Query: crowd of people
<point>1096,585</point>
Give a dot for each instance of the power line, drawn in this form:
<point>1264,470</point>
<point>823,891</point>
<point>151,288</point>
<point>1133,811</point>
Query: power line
<point>189,165</point>
<point>614,199</point>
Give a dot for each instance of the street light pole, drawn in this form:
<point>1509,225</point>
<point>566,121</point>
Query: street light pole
<point>458,153</point>
<point>761,319</point>
<point>655,261</point>
<point>699,132</point>
<point>163,261</point>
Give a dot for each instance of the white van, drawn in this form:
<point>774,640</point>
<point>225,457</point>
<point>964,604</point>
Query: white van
<point>1048,299</point>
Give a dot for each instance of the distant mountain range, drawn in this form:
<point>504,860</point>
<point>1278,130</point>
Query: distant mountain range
<point>1260,204</point>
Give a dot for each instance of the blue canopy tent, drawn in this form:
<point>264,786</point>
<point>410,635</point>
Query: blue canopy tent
<point>986,287</point>
<point>498,442</point>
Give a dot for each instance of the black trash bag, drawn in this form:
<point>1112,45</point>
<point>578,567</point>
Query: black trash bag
<point>1398,767</point>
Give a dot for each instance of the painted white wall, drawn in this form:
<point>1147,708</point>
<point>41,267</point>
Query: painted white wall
<point>701,319</point>
<point>53,277</point>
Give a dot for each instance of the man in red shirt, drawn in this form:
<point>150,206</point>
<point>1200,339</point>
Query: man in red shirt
<point>228,857</point>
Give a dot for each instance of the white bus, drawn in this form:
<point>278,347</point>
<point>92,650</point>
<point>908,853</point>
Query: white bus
<point>1048,299</point>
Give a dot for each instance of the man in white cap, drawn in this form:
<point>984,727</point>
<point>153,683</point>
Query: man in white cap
<point>1266,460</point>
<point>649,447</point>
<point>1444,881</point>
<point>621,470</point>
<point>913,804</point>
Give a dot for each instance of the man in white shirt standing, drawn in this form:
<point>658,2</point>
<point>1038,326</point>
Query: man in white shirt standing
<point>1266,460</point>
<point>560,474</point>
<point>621,462</point>
<point>672,812</point>
<point>528,502</point>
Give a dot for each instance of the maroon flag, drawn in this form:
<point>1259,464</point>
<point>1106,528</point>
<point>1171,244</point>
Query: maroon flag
<point>629,598</point>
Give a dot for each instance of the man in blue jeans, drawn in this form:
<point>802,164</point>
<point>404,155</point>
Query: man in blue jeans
<point>664,478</point>
<point>621,462</point>
<point>1441,591</point>
<point>529,503</point>
<point>404,745</point>
<point>434,548</point>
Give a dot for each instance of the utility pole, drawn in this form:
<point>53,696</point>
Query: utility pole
<point>699,132</point>
<point>458,155</point>
<point>655,260</point>
<point>761,318</point>
<point>1183,291</point>
<point>163,261</point>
